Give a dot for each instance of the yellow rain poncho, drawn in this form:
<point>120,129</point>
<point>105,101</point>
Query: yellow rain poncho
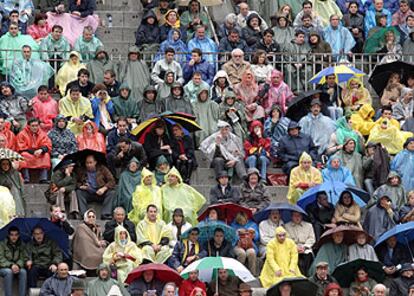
<point>355,97</point>
<point>301,179</point>
<point>68,72</point>
<point>391,121</point>
<point>127,249</point>
<point>362,120</point>
<point>145,195</point>
<point>181,196</point>
<point>80,108</point>
<point>8,206</point>
<point>280,256</point>
<point>389,136</point>
<point>149,233</point>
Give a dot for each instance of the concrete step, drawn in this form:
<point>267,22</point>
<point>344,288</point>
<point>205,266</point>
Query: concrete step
<point>120,18</point>
<point>116,5</point>
<point>118,49</point>
<point>116,34</point>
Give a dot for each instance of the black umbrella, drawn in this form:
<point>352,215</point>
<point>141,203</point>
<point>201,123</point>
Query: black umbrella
<point>345,273</point>
<point>300,286</point>
<point>381,73</point>
<point>79,158</point>
<point>299,107</point>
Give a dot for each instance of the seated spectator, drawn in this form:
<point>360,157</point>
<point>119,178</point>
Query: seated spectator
<point>180,195</point>
<point>320,213</point>
<point>401,284</point>
<point>148,34</point>
<point>352,160</point>
<point>112,85</point>
<point>223,192</point>
<point>129,179</point>
<point>321,48</point>
<point>340,38</point>
<point>404,108</point>
<point>206,112</point>
<point>393,188</point>
<point>322,277</point>
<point>55,48</point>
<point>13,256</point>
<point>267,230</point>
<point>8,209</point>
<point>192,286</point>
<point>122,253</point>
<point>229,155</point>
<point>150,105</point>
<point>59,283</point>
<point>192,88</point>
<point>13,106</point>
<point>175,42</point>
<point>125,107</point>
<point>345,135</point>
<point>227,284</point>
<point>194,17</point>
<point>355,95</point>
<point>39,29</point>
<point>119,218</point>
<point>335,96</point>
<point>178,226</point>
<point>45,108</point>
<point>362,249</point>
<point>284,31</point>
<point>62,189</point>
<point>49,5</point>
<point>252,32</point>
<point>153,237</point>
<point>307,26</point>
<point>391,254</point>
<point>392,90</point>
<point>281,259</point>
<point>13,17</point>
<point>268,44</point>
<point>119,132</point>
<point>88,236</point>
<point>81,8</point>
<point>159,9</point>
<point>236,66</point>
<point>5,131</point>
<point>95,183</point>
<point>232,41</point>
<point>275,127</point>
<point>34,145</point>
<point>261,67</point>
<point>103,283</point>
<point>171,21</point>
<point>157,143</point>
<point>408,44</point>
<point>406,212</point>
<point>164,89</point>
<point>293,144</point>
<point>183,156</point>
<point>91,138</point>
<point>245,13</point>
<point>347,211</point>
<point>391,48</point>
<point>140,285</point>
<point>63,140</point>
<point>162,167</point>
<point>10,178</point>
<point>230,23</point>
<point>88,43</point>
<point>198,64</point>
<point>325,10</point>
<point>164,65</point>
<point>59,219</point>
<point>232,111</point>
<point>389,136</point>
<point>134,72</point>
<point>218,246</point>
<point>307,8</point>
<point>354,22</point>
<point>254,194</point>
<point>77,109</point>
<point>102,108</point>
<point>362,120</point>
<point>335,172</point>
<point>381,217</point>
<point>73,72</point>
<point>400,16</point>
<point>277,92</point>
<point>99,64</point>
<point>333,289</point>
<point>44,256</point>
<point>205,44</point>
<point>376,8</point>
<point>178,101</point>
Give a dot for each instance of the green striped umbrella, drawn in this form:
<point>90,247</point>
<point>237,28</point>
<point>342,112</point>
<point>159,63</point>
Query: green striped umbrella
<point>9,154</point>
<point>208,267</point>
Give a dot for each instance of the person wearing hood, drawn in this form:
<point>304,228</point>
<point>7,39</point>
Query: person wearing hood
<point>292,145</point>
<point>35,147</point>
<point>232,112</point>
<point>87,44</point>
<point>103,284</point>
<point>321,48</point>
<point>318,126</point>
<point>355,95</point>
<point>6,132</point>
<point>125,106</point>
<point>206,112</point>
<point>171,21</point>
<point>135,73</point>
<point>221,84</point>
<point>281,259</point>
<point>393,189</point>
<point>257,149</point>
<point>353,20</point>
<point>343,133</point>
<point>177,101</point>
<point>91,138</point>
<point>362,119</point>
<point>335,172</point>
<point>252,32</point>
<point>192,88</point>
<point>340,38</point>
<point>165,64</point>
<point>63,140</point>
<point>45,108</point>
<point>13,106</point>
<point>148,33</point>
<point>362,249</point>
<point>99,64</point>
<point>60,283</point>
<point>253,193</point>
<point>284,31</point>
<point>177,194</point>
<point>275,126</point>
<point>122,253</point>
<point>198,64</point>
<point>352,160</point>
<point>407,211</point>
<point>70,71</point>
<point>224,150</point>
<point>164,89</point>
<point>129,179</point>
<point>204,43</point>
<point>162,167</point>
<point>277,92</point>
<point>102,108</point>
<point>194,17</point>
<point>303,177</point>
<point>10,178</point>
<point>183,156</point>
<point>403,284</point>
<point>175,42</point>
<point>150,105</point>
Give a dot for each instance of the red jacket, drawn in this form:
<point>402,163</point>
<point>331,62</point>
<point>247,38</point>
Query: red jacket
<point>253,144</point>
<point>188,286</point>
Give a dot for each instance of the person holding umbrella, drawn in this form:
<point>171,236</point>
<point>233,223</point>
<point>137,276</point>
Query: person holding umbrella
<point>158,143</point>
<point>362,249</point>
<point>225,284</point>
<point>146,285</point>
<point>218,246</point>
<point>401,284</point>
<point>363,284</point>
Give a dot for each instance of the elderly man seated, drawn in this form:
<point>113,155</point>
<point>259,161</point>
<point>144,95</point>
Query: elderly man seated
<point>119,218</point>
<point>267,230</point>
<point>60,283</point>
<point>236,66</point>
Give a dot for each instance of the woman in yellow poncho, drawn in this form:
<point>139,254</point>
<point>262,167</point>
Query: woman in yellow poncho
<point>355,94</point>
<point>69,71</point>
<point>8,206</point>
<point>281,259</point>
<point>145,194</point>
<point>176,194</point>
<point>362,120</point>
<point>123,253</point>
<point>389,136</point>
<point>303,177</point>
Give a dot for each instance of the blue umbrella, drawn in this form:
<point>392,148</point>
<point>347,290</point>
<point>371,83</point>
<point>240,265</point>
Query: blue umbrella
<point>342,72</point>
<point>333,190</point>
<point>403,232</point>
<point>26,225</point>
<point>207,231</point>
<point>284,208</point>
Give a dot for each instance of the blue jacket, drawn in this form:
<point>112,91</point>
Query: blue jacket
<point>250,224</point>
<point>113,137</point>
<point>206,69</point>
<point>177,258</point>
<point>97,113</point>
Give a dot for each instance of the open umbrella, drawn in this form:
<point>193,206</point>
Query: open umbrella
<point>381,73</point>
<point>300,105</point>
<point>80,156</point>
<point>342,72</point>
<point>333,190</point>
<point>350,234</point>
<point>345,272</point>
<point>26,226</point>
<point>208,267</point>
<point>227,211</point>
<point>207,232</point>
<point>162,272</point>
<point>284,208</point>
<point>403,232</point>
<point>300,286</point>
<point>9,154</point>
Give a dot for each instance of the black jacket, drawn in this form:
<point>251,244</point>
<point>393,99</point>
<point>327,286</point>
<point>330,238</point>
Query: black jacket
<point>400,286</point>
<point>152,146</point>
<point>226,249</point>
<point>136,150</point>
<point>230,194</point>
<point>86,7</point>
<point>188,144</point>
<point>291,148</point>
<point>148,34</point>
<point>110,226</point>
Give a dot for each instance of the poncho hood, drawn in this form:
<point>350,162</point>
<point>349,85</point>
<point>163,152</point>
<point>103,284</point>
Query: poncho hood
<point>305,157</point>
<point>203,88</point>
<point>118,231</point>
<point>366,111</point>
<point>161,160</point>
<point>134,49</point>
<point>76,54</point>
<point>393,174</point>
<point>252,16</point>
<point>58,118</point>
<point>222,74</point>
<point>147,173</point>
<point>173,172</point>
<point>150,14</point>
<point>329,165</point>
<point>254,124</point>
<point>5,83</point>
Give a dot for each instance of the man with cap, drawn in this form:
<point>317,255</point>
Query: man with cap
<point>292,145</point>
<point>78,288</point>
<point>103,284</point>
<point>245,290</point>
<point>321,278</point>
<point>318,126</point>
<point>223,191</point>
<point>400,285</point>
<point>186,251</point>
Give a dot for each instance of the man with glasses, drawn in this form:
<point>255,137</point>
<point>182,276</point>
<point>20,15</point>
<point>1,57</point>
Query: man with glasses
<point>236,66</point>
<point>12,258</point>
<point>187,251</point>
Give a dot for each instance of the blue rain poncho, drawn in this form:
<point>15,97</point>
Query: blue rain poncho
<point>341,174</point>
<point>403,164</point>
<point>340,39</point>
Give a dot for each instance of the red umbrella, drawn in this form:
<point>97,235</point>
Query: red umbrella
<point>162,272</point>
<point>350,234</point>
<point>227,211</point>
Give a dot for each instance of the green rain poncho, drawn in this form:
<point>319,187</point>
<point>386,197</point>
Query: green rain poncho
<point>87,49</point>
<point>128,181</point>
<point>344,131</point>
<point>126,107</point>
<point>181,196</point>
<point>12,179</point>
<point>99,286</point>
<point>143,196</point>
<point>160,175</point>
<point>98,67</point>
<point>60,48</point>
<point>331,253</point>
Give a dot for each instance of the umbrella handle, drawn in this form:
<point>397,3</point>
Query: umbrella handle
<point>217,282</point>
<point>408,247</point>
